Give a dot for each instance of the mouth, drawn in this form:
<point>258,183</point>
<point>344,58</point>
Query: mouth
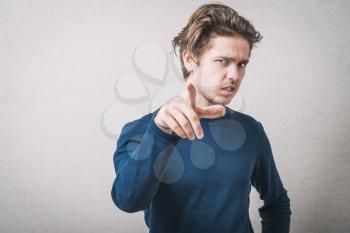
<point>228,91</point>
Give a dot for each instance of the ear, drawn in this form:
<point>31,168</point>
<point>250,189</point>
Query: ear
<point>189,60</point>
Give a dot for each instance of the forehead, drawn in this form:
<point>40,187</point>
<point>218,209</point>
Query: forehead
<point>227,46</point>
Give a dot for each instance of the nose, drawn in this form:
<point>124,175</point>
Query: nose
<point>234,73</point>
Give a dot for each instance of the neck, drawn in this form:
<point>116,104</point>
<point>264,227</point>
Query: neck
<point>201,101</point>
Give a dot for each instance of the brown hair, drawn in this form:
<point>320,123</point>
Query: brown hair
<point>210,20</point>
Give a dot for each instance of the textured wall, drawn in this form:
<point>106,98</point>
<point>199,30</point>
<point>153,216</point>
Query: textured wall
<point>72,72</point>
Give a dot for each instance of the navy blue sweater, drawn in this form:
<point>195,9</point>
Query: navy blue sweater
<point>199,186</point>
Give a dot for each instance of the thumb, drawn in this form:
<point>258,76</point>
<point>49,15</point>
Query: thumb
<point>213,111</point>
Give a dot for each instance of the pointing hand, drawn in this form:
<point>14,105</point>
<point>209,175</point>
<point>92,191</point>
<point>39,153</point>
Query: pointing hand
<point>181,114</point>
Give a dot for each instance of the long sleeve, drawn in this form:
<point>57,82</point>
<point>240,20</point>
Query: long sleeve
<point>275,212</point>
<point>137,150</point>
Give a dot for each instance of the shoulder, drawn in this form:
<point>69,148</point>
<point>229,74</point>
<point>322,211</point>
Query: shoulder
<point>245,119</point>
<point>251,124</point>
<point>138,125</point>
<point>133,130</point>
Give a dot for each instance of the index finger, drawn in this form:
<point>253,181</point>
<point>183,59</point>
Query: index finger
<point>190,94</point>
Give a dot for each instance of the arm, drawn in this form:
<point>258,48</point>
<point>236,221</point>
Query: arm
<point>135,183</point>
<point>275,212</point>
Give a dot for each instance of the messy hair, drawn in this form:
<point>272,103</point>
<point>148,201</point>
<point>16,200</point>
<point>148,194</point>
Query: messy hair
<point>210,20</point>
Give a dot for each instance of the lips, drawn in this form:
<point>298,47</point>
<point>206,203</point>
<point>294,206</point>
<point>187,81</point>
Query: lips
<point>228,91</point>
<point>229,88</point>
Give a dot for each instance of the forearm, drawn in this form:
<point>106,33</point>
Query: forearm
<point>136,182</point>
<point>134,186</point>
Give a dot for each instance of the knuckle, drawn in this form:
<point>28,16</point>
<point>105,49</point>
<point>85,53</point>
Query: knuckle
<point>189,131</point>
<point>194,117</point>
<point>172,107</point>
<point>176,128</point>
<point>166,110</point>
<point>186,124</point>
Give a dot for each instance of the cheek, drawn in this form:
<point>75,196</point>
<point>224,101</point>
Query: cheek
<point>205,78</point>
<point>211,78</point>
<point>211,83</point>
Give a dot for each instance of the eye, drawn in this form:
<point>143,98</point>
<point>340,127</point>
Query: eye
<point>242,64</point>
<point>223,61</point>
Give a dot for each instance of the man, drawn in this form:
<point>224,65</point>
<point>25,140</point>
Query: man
<point>190,164</point>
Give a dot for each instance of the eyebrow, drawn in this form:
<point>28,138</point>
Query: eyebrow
<point>231,59</point>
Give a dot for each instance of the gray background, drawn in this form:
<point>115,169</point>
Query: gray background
<point>60,116</point>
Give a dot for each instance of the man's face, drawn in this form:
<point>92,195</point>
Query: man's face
<point>222,64</point>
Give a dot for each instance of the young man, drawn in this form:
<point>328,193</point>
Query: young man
<point>190,164</point>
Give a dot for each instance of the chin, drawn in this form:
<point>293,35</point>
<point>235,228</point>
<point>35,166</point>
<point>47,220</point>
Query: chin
<point>226,102</point>
<point>220,100</point>
<point>223,101</point>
